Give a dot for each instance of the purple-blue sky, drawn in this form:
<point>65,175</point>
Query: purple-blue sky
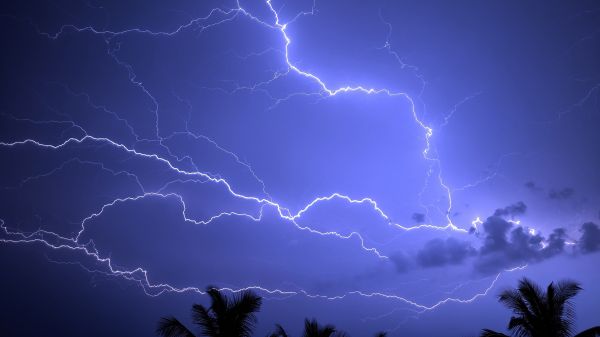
<point>378,165</point>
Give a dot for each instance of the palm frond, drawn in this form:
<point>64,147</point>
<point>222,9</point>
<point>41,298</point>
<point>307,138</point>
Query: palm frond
<point>327,331</point>
<point>202,317</point>
<point>313,329</point>
<point>533,296</point>
<point>171,327</point>
<point>539,313</point>
<point>279,332</point>
<point>491,333</point>
<point>512,299</point>
<point>591,332</point>
<point>340,334</point>
<point>551,307</point>
<point>246,304</point>
<point>219,303</point>
<point>565,290</point>
<point>520,327</point>
<point>242,311</point>
<point>561,312</point>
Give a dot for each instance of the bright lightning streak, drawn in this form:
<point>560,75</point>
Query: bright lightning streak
<point>140,275</point>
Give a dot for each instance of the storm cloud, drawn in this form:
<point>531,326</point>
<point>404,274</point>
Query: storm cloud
<point>418,217</point>
<point>561,194</point>
<point>506,245</point>
<point>590,238</point>
<point>439,252</point>
<point>502,244</point>
<point>531,185</point>
<point>556,242</point>
<point>517,208</point>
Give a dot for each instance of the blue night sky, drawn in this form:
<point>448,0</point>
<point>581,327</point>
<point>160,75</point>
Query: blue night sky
<point>377,165</point>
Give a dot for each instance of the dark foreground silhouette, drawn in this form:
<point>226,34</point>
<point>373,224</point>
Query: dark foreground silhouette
<point>226,317</point>
<point>535,314</point>
<point>235,317</point>
<point>313,329</point>
<point>541,314</point>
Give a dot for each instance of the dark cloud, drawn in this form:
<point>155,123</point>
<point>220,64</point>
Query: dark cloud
<point>506,245</point>
<point>524,246</point>
<point>401,261</point>
<point>439,252</point>
<point>533,186</point>
<point>590,239</point>
<point>556,243</point>
<point>562,194</point>
<point>418,217</point>
<point>495,229</point>
<point>517,208</point>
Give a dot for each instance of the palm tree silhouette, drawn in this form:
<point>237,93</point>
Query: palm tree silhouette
<point>279,332</point>
<point>311,329</point>
<point>541,314</point>
<point>226,317</point>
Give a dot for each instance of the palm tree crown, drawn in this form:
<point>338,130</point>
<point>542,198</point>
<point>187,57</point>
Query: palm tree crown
<point>314,329</point>
<point>311,329</point>
<point>540,314</point>
<point>226,317</point>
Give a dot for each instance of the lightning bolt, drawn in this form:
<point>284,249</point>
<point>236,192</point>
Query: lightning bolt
<point>139,275</point>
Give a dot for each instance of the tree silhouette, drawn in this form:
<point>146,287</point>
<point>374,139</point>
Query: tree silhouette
<point>541,314</point>
<point>311,329</point>
<point>226,317</point>
<point>279,332</point>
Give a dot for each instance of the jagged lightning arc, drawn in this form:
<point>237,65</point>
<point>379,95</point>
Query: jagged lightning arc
<point>139,275</point>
